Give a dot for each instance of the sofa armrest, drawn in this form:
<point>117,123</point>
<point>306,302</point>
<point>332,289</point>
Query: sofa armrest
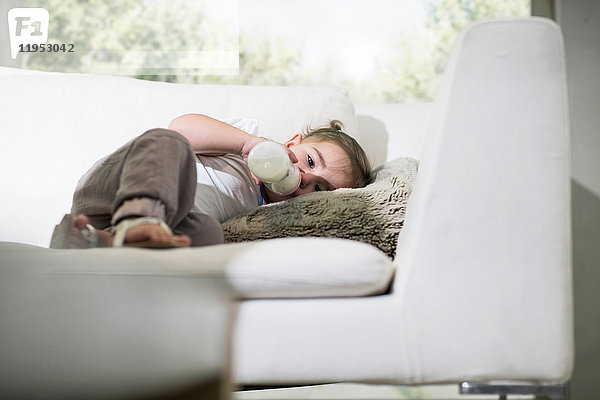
<point>111,324</point>
<point>486,247</point>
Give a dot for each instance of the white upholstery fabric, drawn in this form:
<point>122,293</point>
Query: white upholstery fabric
<point>390,131</point>
<point>277,268</point>
<point>500,125</point>
<point>108,333</point>
<point>309,267</point>
<point>55,126</point>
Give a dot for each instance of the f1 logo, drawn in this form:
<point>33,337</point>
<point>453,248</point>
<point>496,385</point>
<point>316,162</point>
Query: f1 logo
<point>27,26</point>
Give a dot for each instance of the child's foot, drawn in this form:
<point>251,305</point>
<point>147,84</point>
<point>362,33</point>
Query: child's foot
<point>76,233</point>
<point>147,232</point>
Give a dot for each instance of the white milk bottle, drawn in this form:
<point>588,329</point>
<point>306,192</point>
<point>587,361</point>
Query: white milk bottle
<point>270,163</point>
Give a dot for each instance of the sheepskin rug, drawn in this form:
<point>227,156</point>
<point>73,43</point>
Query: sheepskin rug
<point>373,214</point>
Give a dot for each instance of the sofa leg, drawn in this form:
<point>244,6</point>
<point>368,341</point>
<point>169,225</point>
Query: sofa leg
<point>541,392</point>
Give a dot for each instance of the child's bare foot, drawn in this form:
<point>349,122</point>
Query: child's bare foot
<point>154,235</point>
<point>76,233</point>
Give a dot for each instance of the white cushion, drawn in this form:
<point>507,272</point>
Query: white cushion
<point>309,267</point>
<point>288,267</point>
<point>390,131</point>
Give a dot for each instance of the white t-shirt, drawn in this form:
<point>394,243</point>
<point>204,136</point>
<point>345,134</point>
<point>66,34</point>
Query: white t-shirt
<point>225,187</point>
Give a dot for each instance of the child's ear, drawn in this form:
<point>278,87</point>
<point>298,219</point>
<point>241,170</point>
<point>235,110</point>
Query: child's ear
<point>294,141</point>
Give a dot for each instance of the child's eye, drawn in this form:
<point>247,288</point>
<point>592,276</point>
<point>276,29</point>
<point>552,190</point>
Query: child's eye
<point>317,188</point>
<point>311,163</point>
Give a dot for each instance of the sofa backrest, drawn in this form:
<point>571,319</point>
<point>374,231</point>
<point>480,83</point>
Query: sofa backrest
<point>389,131</point>
<point>54,126</point>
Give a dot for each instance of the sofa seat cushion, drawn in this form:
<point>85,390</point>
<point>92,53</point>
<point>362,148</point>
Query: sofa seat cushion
<point>310,267</point>
<point>281,268</point>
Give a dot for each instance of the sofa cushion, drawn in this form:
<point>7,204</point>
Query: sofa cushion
<point>281,268</point>
<point>309,267</point>
<point>373,214</point>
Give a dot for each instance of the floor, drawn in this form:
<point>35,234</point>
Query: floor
<point>351,391</point>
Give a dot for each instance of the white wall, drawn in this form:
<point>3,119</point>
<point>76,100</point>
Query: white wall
<point>580,22</point>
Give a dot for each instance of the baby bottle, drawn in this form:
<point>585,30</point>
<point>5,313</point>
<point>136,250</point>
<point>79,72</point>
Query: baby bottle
<point>270,163</point>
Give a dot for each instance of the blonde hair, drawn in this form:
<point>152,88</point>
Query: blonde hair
<point>360,167</point>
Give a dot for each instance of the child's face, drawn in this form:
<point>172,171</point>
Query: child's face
<point>322,165</point>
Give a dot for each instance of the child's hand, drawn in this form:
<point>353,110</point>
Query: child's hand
<point>254,140</point>
<point>291,154</point>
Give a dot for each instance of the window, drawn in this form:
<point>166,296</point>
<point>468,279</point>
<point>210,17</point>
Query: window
<point>380,50</point>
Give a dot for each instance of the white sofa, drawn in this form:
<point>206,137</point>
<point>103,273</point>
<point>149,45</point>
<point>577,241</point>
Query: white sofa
<point>482,283</point>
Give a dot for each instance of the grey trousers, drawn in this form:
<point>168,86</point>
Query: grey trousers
<point>153,175</point>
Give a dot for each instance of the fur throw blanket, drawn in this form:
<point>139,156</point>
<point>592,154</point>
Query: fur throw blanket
<point>373,214</point>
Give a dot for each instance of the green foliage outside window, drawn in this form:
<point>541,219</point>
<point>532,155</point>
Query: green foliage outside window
<point>408,70</point>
